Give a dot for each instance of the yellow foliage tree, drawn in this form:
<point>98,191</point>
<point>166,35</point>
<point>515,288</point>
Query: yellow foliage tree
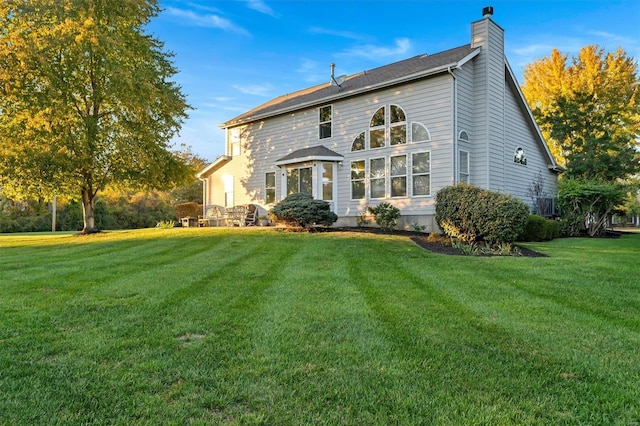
<point>588,109</point>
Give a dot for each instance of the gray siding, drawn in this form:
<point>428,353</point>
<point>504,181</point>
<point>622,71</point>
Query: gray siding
<point>427,102</point>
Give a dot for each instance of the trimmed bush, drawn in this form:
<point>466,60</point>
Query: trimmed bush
<point>386,215</point>
<point>302,210</point>
<point>540,229</point>
<point>472,214</point>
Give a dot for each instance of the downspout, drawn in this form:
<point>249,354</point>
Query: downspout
<point>455,126</point>
<point>204,196</point>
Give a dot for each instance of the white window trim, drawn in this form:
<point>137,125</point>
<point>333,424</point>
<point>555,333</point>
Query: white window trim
<point>405,175</point>
<point>421,174</point>
<point>324,122</point>
<point>363,180</point>
<point>384,178</point>
<point>468,174</point>
<point>424,127</point>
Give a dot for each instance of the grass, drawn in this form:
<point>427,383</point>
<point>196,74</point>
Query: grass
<point>252,326</point>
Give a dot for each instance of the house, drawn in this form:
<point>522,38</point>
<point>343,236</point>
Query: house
<point>397,133</point>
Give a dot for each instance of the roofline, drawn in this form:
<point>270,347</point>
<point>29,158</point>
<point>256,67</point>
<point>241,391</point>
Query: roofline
<point>217,162</point>
<point>350,93</point>
<point>554,166</point>
<point>309,158</point>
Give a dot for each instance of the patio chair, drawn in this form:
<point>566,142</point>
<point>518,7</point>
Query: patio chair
<point>251,215</point>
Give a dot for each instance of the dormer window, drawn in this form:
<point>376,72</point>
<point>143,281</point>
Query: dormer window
<point>324,122</point>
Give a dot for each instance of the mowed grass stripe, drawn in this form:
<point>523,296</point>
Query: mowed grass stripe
<point>260,327</point>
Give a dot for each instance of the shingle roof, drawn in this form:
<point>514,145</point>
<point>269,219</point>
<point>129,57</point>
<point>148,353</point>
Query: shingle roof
<point>416,67</point>
<point>308,154</point>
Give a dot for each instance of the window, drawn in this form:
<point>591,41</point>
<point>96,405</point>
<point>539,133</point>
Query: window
<point>299,180</point>
<point>327,181</point>
<point>377,177</point>
<point>357,180</point>
<point>419,133</point>
<point>324,120</point>
<point>270,188</point>
<point>377,129</point>
<point>421,173</point>
<point>235,142</point>
<point>397,126</point>
<point>520,157</point>
<point>228,190</point>
<point>463,159</point>
<point>358,143</point>
<point>463,136</point>
<point>398,172</point>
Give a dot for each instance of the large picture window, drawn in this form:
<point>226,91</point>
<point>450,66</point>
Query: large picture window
<point>421,173</point>
<point>357,180</point>
<point>324,122</point>
<point>299,180</point>
<point>398,172</point>
<point>377,177</point>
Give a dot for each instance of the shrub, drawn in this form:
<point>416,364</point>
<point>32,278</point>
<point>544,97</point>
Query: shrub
<point>302,210</point>
<point>470,214</point>
<point>386,215</point>
<point>188,209</point>
<point>166,224</point>
<point>540,229</point>
<point>535,229</point>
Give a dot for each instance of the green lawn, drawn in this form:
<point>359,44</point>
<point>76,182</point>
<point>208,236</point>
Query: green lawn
<point>254,326</point>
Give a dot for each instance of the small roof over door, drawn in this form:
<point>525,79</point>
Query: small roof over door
<point>315,153</point>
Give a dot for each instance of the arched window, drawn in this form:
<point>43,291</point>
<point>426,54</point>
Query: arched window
<point>397,126</point>
<point>377,129</point>
<point>463,136</point>
<point>358,143</point>
<point>419,133</point>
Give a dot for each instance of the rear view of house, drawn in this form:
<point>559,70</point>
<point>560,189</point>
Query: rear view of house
<point>397,133</point>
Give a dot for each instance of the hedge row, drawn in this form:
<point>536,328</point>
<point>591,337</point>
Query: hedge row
<point>470,214</point>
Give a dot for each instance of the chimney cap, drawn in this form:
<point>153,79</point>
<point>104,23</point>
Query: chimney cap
<point>487,11</point>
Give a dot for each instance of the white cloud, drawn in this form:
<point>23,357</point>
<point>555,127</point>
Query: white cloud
<point>369,51</point>
<point>255,89</point>
<point>260,6</point>
<point>205,20</point>
<point>337,33</point>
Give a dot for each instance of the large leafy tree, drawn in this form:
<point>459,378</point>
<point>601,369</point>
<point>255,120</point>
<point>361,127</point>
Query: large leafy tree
<point>589,111</point>
<point>86,100</point>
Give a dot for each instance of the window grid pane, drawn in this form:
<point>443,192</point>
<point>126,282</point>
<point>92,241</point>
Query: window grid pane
<point>270,187</point>
<point>376,138</point>
<point>398,134</point>
<point>421,178</point>
<point>357,180</point>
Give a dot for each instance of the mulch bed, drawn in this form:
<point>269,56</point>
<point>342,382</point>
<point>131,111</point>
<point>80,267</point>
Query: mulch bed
<point>420,239</point>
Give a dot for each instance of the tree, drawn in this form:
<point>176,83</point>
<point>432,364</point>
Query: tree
<point>588,110</point>
<point>587,204</point>
<point>86,100</point>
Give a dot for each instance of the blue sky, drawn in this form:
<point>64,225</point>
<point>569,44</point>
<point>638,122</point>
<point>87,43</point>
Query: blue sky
<point>236,54</point>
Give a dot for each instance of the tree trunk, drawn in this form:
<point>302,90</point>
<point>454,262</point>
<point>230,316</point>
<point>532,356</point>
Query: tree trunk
<point>87,209</point>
